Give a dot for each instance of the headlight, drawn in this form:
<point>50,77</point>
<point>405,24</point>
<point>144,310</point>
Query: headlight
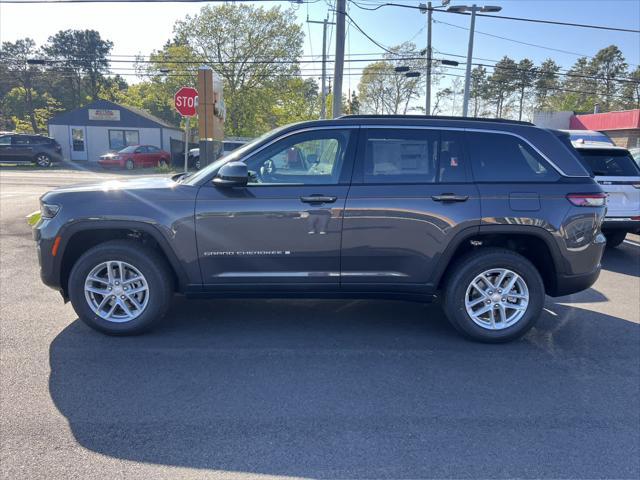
<point>49,210</point>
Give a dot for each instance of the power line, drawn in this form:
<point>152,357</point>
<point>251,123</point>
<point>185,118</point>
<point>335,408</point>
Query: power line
<point>504,17</point>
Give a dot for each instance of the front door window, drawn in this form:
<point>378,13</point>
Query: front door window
<point>308,158</point>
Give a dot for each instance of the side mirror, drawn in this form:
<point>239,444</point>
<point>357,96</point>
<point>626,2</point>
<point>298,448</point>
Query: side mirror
<point>232,174</point>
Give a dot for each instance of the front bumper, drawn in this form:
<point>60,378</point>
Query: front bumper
<point>49,268</point>
<point>110,162</point>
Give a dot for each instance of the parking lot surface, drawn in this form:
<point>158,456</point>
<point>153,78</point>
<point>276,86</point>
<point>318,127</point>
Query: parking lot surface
<point>311,388</point>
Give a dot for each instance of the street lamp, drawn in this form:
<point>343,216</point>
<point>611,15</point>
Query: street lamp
<point>473,9</point>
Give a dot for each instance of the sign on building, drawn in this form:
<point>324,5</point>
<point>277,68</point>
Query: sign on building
<point>104,114</point>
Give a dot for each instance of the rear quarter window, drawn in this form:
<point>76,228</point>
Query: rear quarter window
<point>497,157</point>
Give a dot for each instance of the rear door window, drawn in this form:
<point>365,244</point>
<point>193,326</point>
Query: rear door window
<point>400,156</point>
<point>497,157</point>
<point>609,163</point>
<point>413,156</point>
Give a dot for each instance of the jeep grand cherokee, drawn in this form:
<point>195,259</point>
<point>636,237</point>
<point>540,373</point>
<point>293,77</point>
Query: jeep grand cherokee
<point>488,215</point>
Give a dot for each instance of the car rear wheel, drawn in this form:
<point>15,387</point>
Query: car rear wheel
<point>129,165</point>
<point>493,295</point>
<point>614,239</point>
<point>119,288</point>
<point>162,163</point>
<point>43,160</point>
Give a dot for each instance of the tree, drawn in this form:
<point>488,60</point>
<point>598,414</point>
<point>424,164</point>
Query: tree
<point>631,90</point>
<point>546,83</point>
<point>477,88</point>
<point>353,104</point>
<point>79,52</point>
<point>14,56</point>
<point>248,47</point>
<point>608,65</point>
<point>384,91</point>
<point>441,97</point>
<point>501,84</point>
<point>578,90</point>
<point>44,105</point>
<point>525,80</point>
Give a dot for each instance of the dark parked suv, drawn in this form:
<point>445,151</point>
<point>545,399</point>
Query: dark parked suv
<point>488,215</point>
<point>23,148</point>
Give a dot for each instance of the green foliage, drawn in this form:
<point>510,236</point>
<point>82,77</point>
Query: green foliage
<point>81,52</point>
<point>255,50</point>
<point>384,91</point>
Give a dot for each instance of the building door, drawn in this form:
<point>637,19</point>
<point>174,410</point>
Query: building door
<point>78,143</point>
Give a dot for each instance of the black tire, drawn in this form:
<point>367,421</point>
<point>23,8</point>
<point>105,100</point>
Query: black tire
<point>196,163</point>
<point>129,165</point>
<point>149,262</point>
<point>163,163</point>
<point>43,160</point>
<point>462,273</point>
<point>614,239</point>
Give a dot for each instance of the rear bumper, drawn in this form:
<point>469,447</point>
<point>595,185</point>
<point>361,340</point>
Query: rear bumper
<point>568,284</point>
<point>620,224</point>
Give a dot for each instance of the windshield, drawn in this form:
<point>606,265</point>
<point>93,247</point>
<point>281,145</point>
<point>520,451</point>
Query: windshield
<point>128,149</point>
<point>609,163</point>
<point>230,157</point>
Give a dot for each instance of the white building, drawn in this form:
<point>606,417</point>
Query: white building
<point>102,126</point>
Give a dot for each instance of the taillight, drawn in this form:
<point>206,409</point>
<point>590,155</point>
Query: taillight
<point>588,199</point>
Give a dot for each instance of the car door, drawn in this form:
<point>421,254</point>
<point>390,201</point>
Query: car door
<point>411,195</point>
<point>21,148</point>
<point>141,157</point>
<point>283,229</point>
<point>6,149</point>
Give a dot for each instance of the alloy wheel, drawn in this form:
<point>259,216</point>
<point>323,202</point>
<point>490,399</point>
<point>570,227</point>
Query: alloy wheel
<point>497,299</point>
<point>116,291</point>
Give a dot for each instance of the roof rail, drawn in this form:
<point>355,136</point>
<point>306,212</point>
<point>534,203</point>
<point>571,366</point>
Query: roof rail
<point>440,117</point>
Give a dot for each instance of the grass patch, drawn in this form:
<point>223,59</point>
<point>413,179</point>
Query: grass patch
<point>165,169</point>
<point>33,218</point>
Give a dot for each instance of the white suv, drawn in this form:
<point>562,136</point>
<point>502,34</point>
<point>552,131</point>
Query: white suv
<point>617,172</point>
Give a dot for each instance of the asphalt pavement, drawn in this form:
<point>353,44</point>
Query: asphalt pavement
<point>310,388</point>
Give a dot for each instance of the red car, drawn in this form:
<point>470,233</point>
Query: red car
<point>136,156</point>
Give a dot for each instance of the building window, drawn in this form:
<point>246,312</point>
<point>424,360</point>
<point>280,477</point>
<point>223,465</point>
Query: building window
<point>119,139</point>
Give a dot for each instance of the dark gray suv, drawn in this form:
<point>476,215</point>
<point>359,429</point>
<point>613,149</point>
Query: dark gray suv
<point>488,215</point>
<point>23,148</point>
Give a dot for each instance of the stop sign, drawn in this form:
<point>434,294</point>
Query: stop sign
<point>186,100</point>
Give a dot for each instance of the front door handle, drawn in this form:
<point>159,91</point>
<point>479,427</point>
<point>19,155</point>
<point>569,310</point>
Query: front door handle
<point>450,197</point>
<point>318,199</point>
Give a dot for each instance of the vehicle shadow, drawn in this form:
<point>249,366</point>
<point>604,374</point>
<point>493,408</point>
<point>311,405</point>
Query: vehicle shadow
<point>355,389</point>
<point>623,259</point>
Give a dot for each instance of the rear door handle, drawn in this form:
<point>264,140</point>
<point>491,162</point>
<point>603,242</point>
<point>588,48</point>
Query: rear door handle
<point>318,199</point>
<point>450,197</point>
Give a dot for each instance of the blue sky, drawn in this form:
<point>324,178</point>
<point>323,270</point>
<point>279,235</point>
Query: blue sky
<point>139,28</point>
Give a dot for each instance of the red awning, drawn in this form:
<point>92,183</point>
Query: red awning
<point>624,120</point>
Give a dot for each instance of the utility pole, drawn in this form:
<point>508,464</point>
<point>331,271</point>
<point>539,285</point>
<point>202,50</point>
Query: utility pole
<point>341,6</point>
<point>323,93</point>
<point>467,74</point>
<point>428,10</point>
<point>467,77</point>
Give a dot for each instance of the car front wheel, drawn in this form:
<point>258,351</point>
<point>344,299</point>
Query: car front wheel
<point>119,288</point>
<point>129,165</point>
<point>493,295</point>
